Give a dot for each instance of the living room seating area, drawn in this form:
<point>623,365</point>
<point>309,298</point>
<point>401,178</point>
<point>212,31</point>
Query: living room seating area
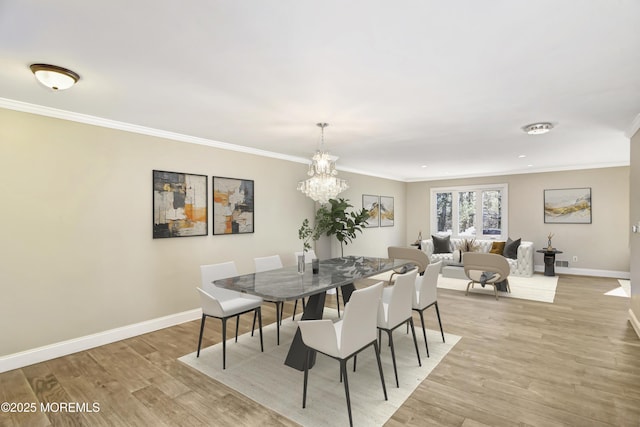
<point>518,253</point>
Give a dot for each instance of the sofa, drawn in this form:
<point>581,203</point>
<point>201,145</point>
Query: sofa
<point>522,265</point>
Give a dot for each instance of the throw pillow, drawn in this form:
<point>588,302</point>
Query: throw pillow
<point>511,248</point>
<point>497,248</point>
<point>441,245</point>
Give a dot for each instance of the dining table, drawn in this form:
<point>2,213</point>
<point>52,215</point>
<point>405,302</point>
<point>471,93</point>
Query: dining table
<point>287,284</point>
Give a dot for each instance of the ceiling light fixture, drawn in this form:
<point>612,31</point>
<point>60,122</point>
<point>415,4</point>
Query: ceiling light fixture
<point>537,128</point>
<point>54,77</point>
<point>324,183</point>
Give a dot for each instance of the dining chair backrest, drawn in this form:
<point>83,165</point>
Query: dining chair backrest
<point>478,262</point>
<point>420,258</point>
<point>359,319</point>
<point>308,256</point>
<point>267,263</point>
<point>211,272</point>
<point>426,286</point>
<point>401,299</point>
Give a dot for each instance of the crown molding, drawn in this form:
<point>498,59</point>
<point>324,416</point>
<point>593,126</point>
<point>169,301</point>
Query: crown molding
<point>633,128</point>
<point>174,136</point>
<point>522,172</point>
<point>128,127</point>
<point>25,107</point>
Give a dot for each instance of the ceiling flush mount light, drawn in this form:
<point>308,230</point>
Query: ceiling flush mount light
<point>537,128</point>
<point>323,183</point>
<point>54,77</point>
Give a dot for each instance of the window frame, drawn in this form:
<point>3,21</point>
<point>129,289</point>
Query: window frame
<point>455,223</point>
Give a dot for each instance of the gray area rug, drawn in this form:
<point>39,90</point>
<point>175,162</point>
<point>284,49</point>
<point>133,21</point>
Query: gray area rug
<point>264,378</point>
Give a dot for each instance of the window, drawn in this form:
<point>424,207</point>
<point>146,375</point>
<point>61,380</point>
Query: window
<point>478,211</point>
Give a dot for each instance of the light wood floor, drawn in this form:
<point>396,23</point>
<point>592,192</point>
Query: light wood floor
<point>519,363</point>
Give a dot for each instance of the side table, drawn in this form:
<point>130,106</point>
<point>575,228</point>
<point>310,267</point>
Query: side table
<point>549,260</point>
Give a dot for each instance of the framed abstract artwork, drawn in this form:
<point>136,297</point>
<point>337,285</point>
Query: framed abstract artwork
<point>567,206</point>
<point>386,211</point>
<point>372,205</point>
<point>180,202</point>
<point>232,206</point>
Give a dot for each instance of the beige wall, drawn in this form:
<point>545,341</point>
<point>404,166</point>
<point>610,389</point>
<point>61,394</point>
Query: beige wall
<point>601,245</point>
<point>376,239</point>
<point>77,254</point>
<point>635,219</point>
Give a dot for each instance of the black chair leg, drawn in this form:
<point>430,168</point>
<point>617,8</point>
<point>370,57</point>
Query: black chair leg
<point>306,375</point>
<point>281,311</point>
<point>204,317</point>
<point>439,321</point>
<point>278,320</point>
<point>254,322</point>
<point>377,350</point>
<point>343,369</point>
<point>258,312</point>
<point>393,357</point>
<point>415,341</point>
<point>237,325</point>
<point>424,331</point>
<point>224,343</point>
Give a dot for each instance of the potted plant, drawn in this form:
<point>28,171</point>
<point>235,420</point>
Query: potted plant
<point>333,219</point>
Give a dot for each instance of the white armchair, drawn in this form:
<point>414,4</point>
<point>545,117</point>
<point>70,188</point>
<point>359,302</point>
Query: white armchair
<point>395,310</point>
<point>224,303</point>
<point>345,338</point>
<point>426,295</point>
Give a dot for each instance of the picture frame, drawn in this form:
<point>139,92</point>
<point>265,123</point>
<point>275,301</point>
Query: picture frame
<point>372,205</point>
<point>567,206</point>
<point>233,205</point>
<point>180,204</point>
<point>387,211</point>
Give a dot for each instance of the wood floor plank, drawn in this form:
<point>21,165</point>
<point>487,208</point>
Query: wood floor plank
<point>575,362</point>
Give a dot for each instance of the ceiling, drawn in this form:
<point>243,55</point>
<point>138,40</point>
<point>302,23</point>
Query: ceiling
<point>413,90</point>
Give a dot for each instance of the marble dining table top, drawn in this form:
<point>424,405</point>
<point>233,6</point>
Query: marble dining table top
<point>286,284</point>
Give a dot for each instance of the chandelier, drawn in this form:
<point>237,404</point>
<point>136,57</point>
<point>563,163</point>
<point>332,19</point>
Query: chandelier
<point>324,183</point>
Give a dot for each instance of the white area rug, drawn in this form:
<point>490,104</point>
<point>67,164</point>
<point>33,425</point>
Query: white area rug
<point>623,291</point>
<point>536,288</point>
<point>264,378</point>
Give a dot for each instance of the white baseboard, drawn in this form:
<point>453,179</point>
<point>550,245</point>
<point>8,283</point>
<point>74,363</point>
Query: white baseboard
<point>634,322</point>
<point>587,272</point>
<point>48,352</point>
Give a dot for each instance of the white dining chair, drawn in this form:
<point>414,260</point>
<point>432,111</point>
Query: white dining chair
<point>426,295</point>
<point>395,310</point>
<point>268,263</point>
<point>345,338</point>
<point>309,256</point>
<point>224,303</point>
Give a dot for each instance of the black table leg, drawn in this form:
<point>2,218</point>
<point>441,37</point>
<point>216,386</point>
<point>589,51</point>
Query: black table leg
<point>297,350</point>
<point>312,311</point>
<point>347,290</point>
